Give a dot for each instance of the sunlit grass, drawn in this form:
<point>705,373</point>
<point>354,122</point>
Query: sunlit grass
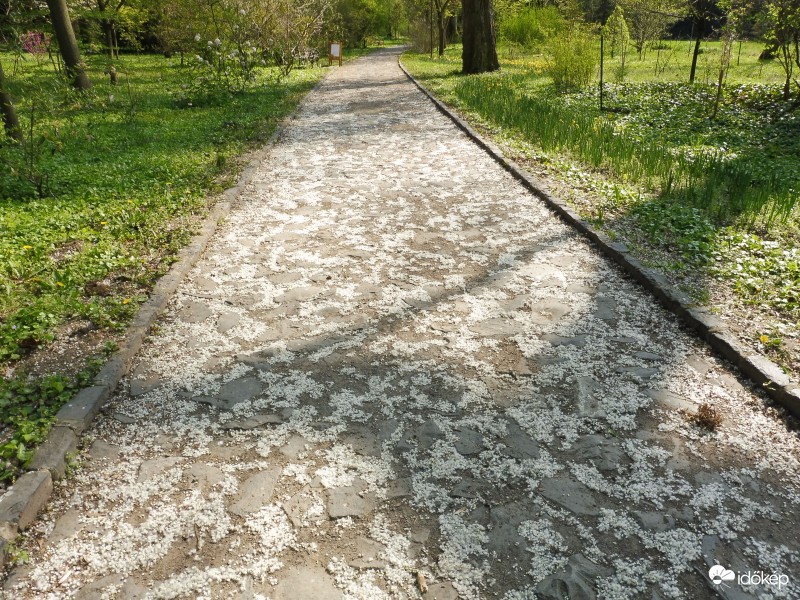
<point>658,135</point>
<point>123,171</point>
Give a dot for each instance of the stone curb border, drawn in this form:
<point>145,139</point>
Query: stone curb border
<point>756,367</point>
<point>22,502</point>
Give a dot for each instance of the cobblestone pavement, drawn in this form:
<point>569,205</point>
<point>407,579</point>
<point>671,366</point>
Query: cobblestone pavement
<point>392,371</point>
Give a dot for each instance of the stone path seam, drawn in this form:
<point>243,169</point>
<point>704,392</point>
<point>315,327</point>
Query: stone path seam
<point>756,367</point>
<point>20,504</point>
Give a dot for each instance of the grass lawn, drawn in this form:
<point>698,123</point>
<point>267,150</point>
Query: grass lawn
<point>710,201</point>
<point>669,62</point>
<point>93,209</point>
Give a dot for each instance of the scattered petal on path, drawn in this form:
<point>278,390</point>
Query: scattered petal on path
<point>394,370</point>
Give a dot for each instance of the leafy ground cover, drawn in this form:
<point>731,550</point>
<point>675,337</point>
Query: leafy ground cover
<point>108,186</point>
<point>711,202</point>
<point>27,411</point>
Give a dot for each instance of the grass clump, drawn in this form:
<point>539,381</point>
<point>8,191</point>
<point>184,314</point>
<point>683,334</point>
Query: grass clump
<point>707,417</point>
<point>531,26</point>
<point>571,59</point>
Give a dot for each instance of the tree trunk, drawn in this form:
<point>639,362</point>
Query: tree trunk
<point>451,30</point>
<point>108,34</point>
<point>67,44</point>
<point>440,24</point>
<point>700,30</point>
<point>10,120</point>
<point>479,53</point>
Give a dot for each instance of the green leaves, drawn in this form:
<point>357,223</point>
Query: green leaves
<point>27,411</point>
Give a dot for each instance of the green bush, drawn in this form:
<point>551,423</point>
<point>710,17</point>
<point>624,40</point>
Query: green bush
<point>532,26</point>
<point>572,58</point>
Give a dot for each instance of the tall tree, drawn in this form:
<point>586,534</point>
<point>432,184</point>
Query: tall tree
<point>442,7</point>
<point>702,12</point>
<point>479,54</point>
<point>782,18</point>
<point>649,20</point>
<point>67,44</point>
<point>107,10</point>
<point>10,120</point>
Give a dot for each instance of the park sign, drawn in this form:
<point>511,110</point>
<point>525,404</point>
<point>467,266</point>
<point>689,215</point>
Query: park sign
<point>335,53</point>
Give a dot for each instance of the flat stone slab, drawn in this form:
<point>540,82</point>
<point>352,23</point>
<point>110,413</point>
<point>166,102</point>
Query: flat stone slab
<point>227,321</point>
<point>468,488</point>
<point>576,582</point>
<point>307,583</point>
<point>255,492</point>
<point>587,401</point>
<point>603,452</point>
<point>205,476</point>
<point>504,537</point>
<point>22,502</point>
<point>669,401</point>
<point>519,444</point>
<point>155,466</point>
<point>96,589</point>
<point>204,284</point>
<point>496,328</point>
<point>579,341</point>
<point>303,508</point>
<point>654,521</point>
<point>123,418</point>
<point>368,554</point>
<point>300,294</point>
<point>194,312</point>
<point>100,450</point>
<point>350,501</point>
<point>294,446</point>
<point>606,309</point>
<point>469,442</point>
<point>642,373</point>
<point>442,590</point>
<point>570,494</point>
<point>549,311</point>
<point>66,526</point>
<point>240,390</point>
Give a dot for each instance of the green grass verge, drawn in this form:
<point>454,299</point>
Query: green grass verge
<point>124,172</point>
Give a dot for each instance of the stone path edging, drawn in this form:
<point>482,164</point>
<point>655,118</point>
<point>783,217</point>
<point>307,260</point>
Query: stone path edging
<point>756,367</point>
<point>22,502</point>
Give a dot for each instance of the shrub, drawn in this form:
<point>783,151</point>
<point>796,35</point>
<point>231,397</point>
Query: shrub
<point>616,32</point>
<point>532,26</point>
<point>572,58</point>
<point>419,32</point>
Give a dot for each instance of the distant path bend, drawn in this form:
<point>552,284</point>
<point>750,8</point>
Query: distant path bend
<point>393,369</point>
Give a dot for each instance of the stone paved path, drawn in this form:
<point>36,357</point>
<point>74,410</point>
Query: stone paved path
<point>393,369</point>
